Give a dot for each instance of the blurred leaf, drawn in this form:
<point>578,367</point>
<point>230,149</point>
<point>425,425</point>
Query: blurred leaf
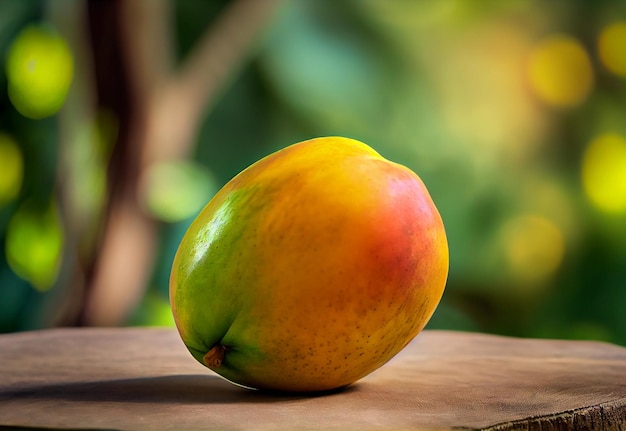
<point>174,191</point>
<point>40,68</point>
<point>322,67</point>
<point>33,245</point>
<point>153,311</point>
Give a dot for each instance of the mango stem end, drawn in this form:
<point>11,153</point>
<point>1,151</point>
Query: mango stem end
<point>215,356</point>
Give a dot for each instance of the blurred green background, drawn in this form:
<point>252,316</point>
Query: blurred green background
<point>119,121</point>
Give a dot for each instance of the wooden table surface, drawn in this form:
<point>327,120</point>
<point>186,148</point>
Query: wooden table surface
<point>144,379</point>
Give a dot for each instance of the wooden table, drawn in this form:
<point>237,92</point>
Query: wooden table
<point>144,379</point>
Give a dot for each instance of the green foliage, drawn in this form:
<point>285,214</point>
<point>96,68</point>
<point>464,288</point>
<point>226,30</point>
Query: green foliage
<point>175,191</point>
<point>39,72</point>
<point>34,241</point>
<point>462,94</point>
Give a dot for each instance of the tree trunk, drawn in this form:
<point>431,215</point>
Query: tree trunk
<point>158,112</point>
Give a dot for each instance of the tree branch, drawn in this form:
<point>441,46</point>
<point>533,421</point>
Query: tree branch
<point>162,122</point>
<point>180,104</point>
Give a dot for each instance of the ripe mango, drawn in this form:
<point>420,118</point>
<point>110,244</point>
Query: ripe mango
<point>309,269</point>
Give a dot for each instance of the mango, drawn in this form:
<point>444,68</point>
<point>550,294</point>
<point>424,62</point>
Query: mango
<point>310,269</point>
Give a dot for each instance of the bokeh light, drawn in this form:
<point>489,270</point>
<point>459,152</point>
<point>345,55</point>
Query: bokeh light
<point>560,71</point>
<point>39,68</point>
<point>533,247</point>
<point>604,172</point>
<point>11,169</point>
<point>174,191</point>
<point>611,48</point>
<point>34,243</point>
<point>155,310</point>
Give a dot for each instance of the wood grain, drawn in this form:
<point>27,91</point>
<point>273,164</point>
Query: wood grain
<point>144,379</point>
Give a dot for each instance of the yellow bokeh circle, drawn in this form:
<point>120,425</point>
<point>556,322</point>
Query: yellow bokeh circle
<point>40,68</point>
<point>612,48</point>
<point>34,244</point>
<point>560,72</point>
<point>534,247</point>
<point>604,172</point>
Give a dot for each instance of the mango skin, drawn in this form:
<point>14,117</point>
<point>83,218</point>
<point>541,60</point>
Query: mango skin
<point>312,268</point>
